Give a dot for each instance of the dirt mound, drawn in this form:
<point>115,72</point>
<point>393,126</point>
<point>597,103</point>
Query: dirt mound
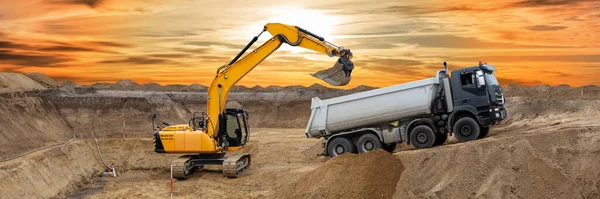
<point>523,108</point>
<point>126,84</point>
<point>42,79</point>
<point>15,82</point>
<point>198,87</point>
<point>552,164</point>
<point>369,175</point>
<point>68,84</point>
<point>553,92</point>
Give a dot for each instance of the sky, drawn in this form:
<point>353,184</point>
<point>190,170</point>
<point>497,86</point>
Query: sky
<point>530,42</point>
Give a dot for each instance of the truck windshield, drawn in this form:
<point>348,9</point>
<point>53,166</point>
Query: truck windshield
<point>491,79</point>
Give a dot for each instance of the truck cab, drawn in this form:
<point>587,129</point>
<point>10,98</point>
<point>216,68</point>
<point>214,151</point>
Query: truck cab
<point>476,89</point>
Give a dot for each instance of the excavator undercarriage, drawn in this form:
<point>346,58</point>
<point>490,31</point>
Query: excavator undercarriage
<point>232,166</point>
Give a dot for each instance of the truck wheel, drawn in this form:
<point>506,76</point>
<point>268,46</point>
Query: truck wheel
<point>485,131</point>
<point>440,138</point>
<point>390,147</point>
<point>368,142</point>
<point>339,146</point>
<point>466,129</point>
<point>422,136</point>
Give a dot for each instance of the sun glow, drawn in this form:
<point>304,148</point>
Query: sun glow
<point>315,21</point>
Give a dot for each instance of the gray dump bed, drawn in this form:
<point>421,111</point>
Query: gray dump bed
<point>372,107</point>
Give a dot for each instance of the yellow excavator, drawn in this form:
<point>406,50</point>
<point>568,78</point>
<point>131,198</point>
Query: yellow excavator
<point>208,136</point>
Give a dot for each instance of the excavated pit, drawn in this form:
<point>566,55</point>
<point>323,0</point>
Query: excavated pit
<point>549,147</point>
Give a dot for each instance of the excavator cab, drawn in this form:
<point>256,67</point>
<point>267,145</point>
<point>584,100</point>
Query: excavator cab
<point>237,129</point>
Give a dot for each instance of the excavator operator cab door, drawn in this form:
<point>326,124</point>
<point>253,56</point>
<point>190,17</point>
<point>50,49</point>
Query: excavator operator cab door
<point>237,129</point>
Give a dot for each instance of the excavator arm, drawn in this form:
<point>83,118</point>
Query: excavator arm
<point>207,136</point>
<point>228,75</point>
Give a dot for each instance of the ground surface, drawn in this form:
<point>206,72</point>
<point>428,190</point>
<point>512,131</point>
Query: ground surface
<point>548,147</point>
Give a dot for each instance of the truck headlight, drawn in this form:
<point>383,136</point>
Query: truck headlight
<point>496,109</point>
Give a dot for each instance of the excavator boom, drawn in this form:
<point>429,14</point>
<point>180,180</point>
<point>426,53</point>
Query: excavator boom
<point>212,133</point>
<point>228,75</point>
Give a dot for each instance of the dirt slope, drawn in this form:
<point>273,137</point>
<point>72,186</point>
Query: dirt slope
<point>28,123</point>
<point>42,79</point>
<point>16,82</point>
<point>52,173</point>
<point>559,164</point>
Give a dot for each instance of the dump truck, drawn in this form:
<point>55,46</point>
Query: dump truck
<point>422,113</point>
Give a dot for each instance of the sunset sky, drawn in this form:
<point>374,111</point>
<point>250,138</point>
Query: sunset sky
<point>530,42</point>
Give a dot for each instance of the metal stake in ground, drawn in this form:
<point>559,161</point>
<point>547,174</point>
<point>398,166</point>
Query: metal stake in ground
<point>171,189</point>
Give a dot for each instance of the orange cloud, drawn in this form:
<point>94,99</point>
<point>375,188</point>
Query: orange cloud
<point>174,41</point>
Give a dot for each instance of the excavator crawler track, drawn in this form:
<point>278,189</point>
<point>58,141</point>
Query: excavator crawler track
<point>182,168</point>
<point>234,165</point>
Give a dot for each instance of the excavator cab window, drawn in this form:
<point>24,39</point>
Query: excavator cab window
<point>236,129</point>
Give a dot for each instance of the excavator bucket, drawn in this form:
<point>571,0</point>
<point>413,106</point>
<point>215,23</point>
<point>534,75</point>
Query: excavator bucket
<point>339,74</point>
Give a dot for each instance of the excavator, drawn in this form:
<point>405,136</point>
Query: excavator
<point>209,135</point>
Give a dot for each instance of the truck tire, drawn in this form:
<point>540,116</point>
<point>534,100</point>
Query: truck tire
<point>422,136</point>
<point>440,138</point>
<point>466,129</point>
<point>368,142</point>
<point>339,146</point>
<point>485,131</point>
<point>390,147</point>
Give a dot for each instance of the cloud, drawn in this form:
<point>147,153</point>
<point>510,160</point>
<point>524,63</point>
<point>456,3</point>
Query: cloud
<point>404,9</point>
<point>468,8</point>
<point>556,73</point>
<point>194,50</point>
<point>67,49</point>
<point>593,58</point>
<point>169,34</point>
<point>214,43</point>
<point>89,3</point>
<point>170,55</point>
<point>31,60</point>
<point>110,44</point>
<point>12,45</point>
<point>136,60</point>
<point>391,61</point>
<point>437,41</point>
<point>545,28</point>
<point>538,3</point>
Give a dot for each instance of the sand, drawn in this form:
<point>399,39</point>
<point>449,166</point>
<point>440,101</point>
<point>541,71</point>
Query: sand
<point>549,147</point>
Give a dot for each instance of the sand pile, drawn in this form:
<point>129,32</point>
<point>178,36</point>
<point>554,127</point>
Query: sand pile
<point>11,82</point>
<point>553,92</point>
<point>42,79</point>
<point>68,84</point>
<point>369,175</point>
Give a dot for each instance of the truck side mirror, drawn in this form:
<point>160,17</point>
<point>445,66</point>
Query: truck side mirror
<point>480,79</point>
